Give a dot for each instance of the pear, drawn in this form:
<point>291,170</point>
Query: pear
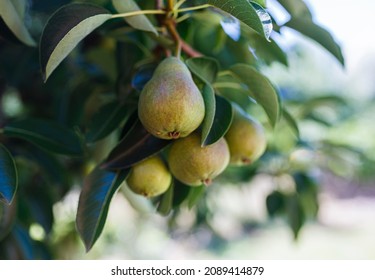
<point>149,177</point>
<point>170,105</point>
<point>246,139</point>
<point>195,165</point>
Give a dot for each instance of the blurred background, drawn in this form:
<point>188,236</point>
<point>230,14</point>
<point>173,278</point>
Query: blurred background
<point>334,107</point>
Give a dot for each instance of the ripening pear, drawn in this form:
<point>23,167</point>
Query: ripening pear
<point>170,105</point>
<point>195,165</point>
<point>246,139</point>
<point>149,177</point>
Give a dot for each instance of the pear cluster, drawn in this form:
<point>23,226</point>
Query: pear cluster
<point>171,107</point>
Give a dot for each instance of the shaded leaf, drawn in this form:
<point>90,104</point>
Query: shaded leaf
<point>318,34</point>
<point>166,201</point>
<point>295,214</point>
<point>181,193</point>
<point>195,195</point>
<point>222,120</point>
<point>137,145</point>
<point>210,109</point>
<point>7,218</point>
<point>275,203</point>
<point>13,18</point>
<point>94,200</point>
<point>8,176</point>
<point>106,120</point>
<point>65,29</point>
<point>140,22</point>
<point>49,135</point>
<point>205,68</point>
<point>260,89</point>
<point>291,122</point>
<point>142,76</point>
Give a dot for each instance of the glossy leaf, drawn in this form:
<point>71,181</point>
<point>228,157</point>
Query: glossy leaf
<point>246,11</point>
<point>318,34</point>
<point>13,18</point>
<point>137,145</point>
<point>8,176</point>
<point>195,195</point>
<point>222,121</point>
<point>260,89</point>
<point>210,106</point>
<point>291,122</point>
<point>106,120</point>
<point>97,192</point>
<point>65,29</point>
<point>7,218</point>
<point>205,68</point>
<point>166,201</point>
<point>49,135</point>
<point>140,22</point>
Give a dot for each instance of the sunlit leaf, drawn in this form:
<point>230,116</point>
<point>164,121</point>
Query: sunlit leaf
<point>8,176</point>
<point>140,22</point>
<point>195,195</point>
<point>210,105</point>
<point>97,192</point>
<point>291,122</point>
<point>12,15</point>
<point>296,8</point>
<point>65,29</point>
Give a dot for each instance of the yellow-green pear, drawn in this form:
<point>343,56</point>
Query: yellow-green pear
<point>246,139</point>
<point>170,105</point>
<point>149,177</point>
<point>195,165</point>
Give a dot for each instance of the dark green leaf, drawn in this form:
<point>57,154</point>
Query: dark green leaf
<point>291,122</point>
<point>137,145</point>
<point>318,34</point>
<point>205,68</point>
<point>181,193</point>
<point>250,13</point>
<point>7,218</point>
<point>295,214</point>
<point>65,29</point>
<point>195,195</point>
<point>49,135</point>
<point>142,76</point>
<point>106,120</point>
<point>222,120</point>
<point>140,22</point>
<point>8,176</point>
<point>275,203</point>
<point>166,201</point>
<point>97,192</point>
<point>260,89</point>
<point>210,105</point>
<point>13,18</point>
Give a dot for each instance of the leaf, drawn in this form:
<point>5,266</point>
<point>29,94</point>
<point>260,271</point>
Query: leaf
<point>49,135</point>
<point>140,22</point>
<point>296,8</point>
<point>291,122</point>
<point>295,214</point>
<point>250,13</point>
<point>94,200</point>
<point>137,145</point>
<point>8,176</point>
<point>222,121</point>
<point>7,218</point>
<point>260,89</point>
<point>210,105</point>
<point>106,120</point>
<point>195,195</point>
<point>318,34</point>
<point>275,203</point>
<point>65,29</point>
<point>166,201</point>
<point>205,68</point>
<point>14,20</point>
<point>181,193</point>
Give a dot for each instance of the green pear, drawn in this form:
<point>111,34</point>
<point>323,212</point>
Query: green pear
<point>149,177</point>
<point>170,105</point>
<point>246,139</point>
<point>195,165</point>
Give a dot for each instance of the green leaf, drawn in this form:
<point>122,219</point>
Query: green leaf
<point>140,22</point>
<point>137,145</point>
<point>7,218</point>
<point>222,121</point>
<point>318,34</point>
<point>275,203</point>
<point>291,122</point>
<point>97,192</point>
<point>250,13</point>
<point>49,135</point>
<point>65,29</point>
<point>210,105</point>
<point>260,89</point>
<point>106,120</point>
<point>166,201</point>
<point>296,8</point>
<point>8,176</point>
<point>295,213</point>
<point>205,68</point>
<point>195,195</point>
<point>181,193</point>
<point>13,18</point>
